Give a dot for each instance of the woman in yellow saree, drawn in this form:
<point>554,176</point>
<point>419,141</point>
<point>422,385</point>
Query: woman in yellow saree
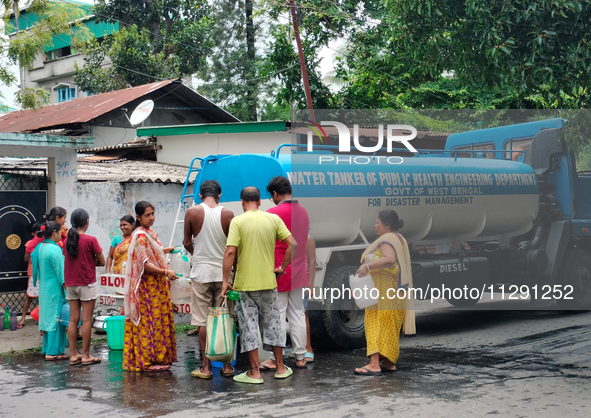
<point>120,246</point>
<point>149,342</point>
<point>388,260</point>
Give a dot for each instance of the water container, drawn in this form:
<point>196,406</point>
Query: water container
<point>361,290</point>
<point>115,326</point>
<point>6,318</point>
<point>13,320</point>
<point>35,313</point>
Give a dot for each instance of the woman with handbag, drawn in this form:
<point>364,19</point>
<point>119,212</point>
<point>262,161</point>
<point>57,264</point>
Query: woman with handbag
<point>387,259</point>
<point>149,342</point>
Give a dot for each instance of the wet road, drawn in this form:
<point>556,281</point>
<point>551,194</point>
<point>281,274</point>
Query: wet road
<point>463,363</point>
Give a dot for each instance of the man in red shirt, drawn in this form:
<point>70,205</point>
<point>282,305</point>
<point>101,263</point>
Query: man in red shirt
<point>290,285</point>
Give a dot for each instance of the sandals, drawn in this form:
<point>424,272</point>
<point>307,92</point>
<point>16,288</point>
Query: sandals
<point>263,367</point>
<point>227,374</point>
<point>198,373</point>
<point>157,368</point>
<point>76,362</point>
<point>285,374</point>
<point>95,360</point>
<point>57,358</point>
<point>367,372</point>
<point>243,378</point>
<point>305,366</point>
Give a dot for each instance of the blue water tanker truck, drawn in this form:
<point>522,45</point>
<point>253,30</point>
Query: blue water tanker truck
<point>500,209</point>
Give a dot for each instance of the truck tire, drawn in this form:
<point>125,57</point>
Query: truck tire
<point>576,272</point>
<point>462,303</point>
<point>343,321</point>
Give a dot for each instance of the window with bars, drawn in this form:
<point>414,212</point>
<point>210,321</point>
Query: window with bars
<point>65,93</point>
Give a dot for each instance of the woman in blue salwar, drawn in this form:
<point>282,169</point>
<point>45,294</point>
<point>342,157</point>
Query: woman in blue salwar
<point>48,270</point>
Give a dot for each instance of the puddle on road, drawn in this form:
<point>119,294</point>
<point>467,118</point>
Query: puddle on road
<point>433,372</point>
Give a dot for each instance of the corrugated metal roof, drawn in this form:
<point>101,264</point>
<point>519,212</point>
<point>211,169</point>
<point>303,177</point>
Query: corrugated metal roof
<point>119,171</point>
<point>88,108</point>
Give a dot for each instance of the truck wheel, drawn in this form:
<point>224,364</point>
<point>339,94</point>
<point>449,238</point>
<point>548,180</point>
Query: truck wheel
<point>576,272</point>
<point>462,303</point>
<point>343,320</point>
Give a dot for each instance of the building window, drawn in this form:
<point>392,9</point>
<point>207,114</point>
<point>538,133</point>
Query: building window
<point>60,52</point>
<point>65,93</point>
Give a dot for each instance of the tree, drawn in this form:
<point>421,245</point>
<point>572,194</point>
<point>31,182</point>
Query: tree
<point>53,18</point>
<point>231,74</point>
<point>530,49</point>
<point>156,40</point>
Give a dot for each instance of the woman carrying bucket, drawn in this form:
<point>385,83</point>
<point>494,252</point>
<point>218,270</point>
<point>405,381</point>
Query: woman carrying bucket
<point>48,270</point>
<point>83,254</point>
<point>150,342</point>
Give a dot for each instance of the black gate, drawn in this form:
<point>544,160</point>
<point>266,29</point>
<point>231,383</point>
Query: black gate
<point>23,200</point>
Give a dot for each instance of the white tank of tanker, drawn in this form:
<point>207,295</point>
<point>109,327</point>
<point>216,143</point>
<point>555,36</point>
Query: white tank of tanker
<point>441,199</point>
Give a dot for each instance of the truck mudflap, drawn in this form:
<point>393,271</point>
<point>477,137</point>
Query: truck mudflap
<point>556,246</point>
<point>453,278</point>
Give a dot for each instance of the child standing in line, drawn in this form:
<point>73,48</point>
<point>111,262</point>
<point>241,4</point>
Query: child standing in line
<point>83,254</point>
<point>32,290</point>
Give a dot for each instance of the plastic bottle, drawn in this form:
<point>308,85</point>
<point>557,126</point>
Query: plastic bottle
<point>13,321</point>
<point>6,318</point>
<point>2,318</point>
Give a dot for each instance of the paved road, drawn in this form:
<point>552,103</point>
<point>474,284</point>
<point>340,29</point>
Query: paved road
<point>462,363</point>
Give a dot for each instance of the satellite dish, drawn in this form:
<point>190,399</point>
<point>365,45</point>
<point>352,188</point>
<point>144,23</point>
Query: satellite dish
<point>141,112</point>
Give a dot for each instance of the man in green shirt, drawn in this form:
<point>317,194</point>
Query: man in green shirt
<point>253,235</point>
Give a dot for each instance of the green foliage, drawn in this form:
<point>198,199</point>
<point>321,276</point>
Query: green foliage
<point>157,40</point>
<point>533,50</point>
<point>232,74</point>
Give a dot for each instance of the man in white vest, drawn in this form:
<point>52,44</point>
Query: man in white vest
<point>206,232</point>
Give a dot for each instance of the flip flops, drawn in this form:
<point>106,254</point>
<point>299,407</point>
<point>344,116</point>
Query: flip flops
<point>76,362</point>
<point>95,360</point>
<point>157,368</point>
<point>305,366</point>
<point>263,367</point>
<point>367,372</point>
<point>285,374</point>
<point>309,357</point>
<point>243,378</point>
<point>58,358</point>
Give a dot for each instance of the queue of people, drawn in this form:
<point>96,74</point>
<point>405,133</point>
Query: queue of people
<point>268,257</point>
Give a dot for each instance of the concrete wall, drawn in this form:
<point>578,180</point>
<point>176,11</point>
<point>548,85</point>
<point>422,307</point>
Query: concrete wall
<point>108,136</point>
<point>106,203</point>
<point>181,149</point>
<point>49,74</point>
